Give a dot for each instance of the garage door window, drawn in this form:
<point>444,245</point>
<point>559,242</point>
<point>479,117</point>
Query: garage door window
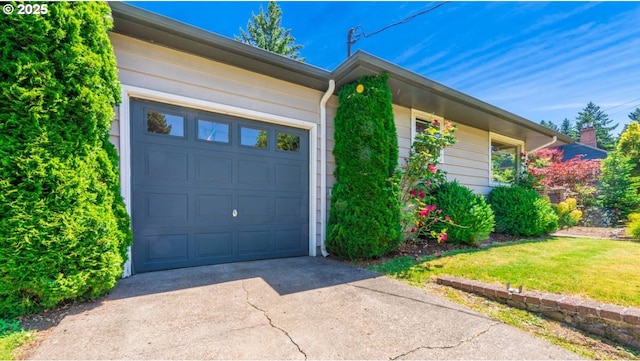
<point>253,137</point>
<point>213,131</point>
<point>162,123</point>
<point>288,142</point>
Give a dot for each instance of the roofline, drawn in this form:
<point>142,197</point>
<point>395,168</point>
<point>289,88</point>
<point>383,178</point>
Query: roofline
<point>363,59</point>
<point>135,22</point>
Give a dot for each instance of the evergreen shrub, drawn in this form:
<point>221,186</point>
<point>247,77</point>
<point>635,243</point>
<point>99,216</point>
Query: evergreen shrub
<point>521,211</point>
<point>472,217</point>
<point>568,214</point>
<point>64,229</point>
<point>364,219</point>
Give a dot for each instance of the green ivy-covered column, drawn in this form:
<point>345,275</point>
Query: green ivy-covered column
<point>64,229</point>
<point>364,219</point>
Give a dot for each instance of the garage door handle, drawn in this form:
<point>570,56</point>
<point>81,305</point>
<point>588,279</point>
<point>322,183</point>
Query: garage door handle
<point>234,213</point>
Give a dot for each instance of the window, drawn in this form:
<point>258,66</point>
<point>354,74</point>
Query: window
<point>161,123</point>
<point>505,159</point>
<point>213,131</point>
<point>253,137</point>
<point>421,121</point>
<point>288,142</point>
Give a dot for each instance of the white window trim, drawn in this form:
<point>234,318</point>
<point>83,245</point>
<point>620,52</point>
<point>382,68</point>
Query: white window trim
<point>418,115</point>
<point>504,139</point>
<point>129,91</point>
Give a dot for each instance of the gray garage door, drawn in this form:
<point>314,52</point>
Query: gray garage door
<point>209,188</point>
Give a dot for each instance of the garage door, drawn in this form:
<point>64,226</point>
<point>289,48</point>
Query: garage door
<point>209,188</point>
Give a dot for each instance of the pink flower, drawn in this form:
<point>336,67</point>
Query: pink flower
<point>422,195</point>
<point>442,237</point>
<point>424,212</point>
<point>432,168</point>
<point>428,184</point>
<point>447,218</point>
<point>413,192</point>
<point>431,208</point>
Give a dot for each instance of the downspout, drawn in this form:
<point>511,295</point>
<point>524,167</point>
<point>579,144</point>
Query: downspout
<point>553,140</point>
<point>323,166</point>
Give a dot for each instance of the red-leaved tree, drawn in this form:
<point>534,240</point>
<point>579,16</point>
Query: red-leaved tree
<point>577,176</point>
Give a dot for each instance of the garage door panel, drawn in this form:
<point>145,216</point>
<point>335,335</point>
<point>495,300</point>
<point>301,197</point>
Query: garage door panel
<point>163,248</point>
<point>255,242</point>
<point>163,164</point>
<point>254,172</point>
<point>288,239</point>
<point>167,207</point>
<point>288,175</point>
<point>218,244</point>
<point>188,182</point>
<point>213,208</point>
<point>217,169</point>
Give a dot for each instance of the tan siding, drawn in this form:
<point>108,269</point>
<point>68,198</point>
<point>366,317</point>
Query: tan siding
<point>468,159</point>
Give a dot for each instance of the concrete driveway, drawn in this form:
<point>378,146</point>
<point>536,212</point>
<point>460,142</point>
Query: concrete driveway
<point>294,308</point>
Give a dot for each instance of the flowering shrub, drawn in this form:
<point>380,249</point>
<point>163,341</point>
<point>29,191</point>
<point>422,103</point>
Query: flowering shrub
<point>419,175</point>
<point>568,215</point>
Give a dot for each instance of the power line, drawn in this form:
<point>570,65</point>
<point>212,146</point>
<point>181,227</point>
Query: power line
<point>353,37</point>
<point>619,105</point>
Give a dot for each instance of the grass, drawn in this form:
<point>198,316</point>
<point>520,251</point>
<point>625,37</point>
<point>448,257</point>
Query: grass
<point>11,338</point>
<point>602,270</point>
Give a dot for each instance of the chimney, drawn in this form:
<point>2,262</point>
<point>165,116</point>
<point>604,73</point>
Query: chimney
<point>588,137</point>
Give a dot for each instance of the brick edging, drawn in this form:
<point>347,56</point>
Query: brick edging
<point>617,322</point>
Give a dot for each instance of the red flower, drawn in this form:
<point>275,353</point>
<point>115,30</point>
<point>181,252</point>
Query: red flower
<point>442,237</point>
<point>422,195</point>
<point>413,192</point>
<point>432,168</point>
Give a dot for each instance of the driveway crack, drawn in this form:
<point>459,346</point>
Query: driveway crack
<point>266,315</point>
<point>459,343</point>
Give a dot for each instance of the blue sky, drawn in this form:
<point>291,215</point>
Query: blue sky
<point>540,60</point>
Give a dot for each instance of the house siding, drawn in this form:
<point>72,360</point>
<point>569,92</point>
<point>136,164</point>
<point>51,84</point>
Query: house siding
<point>145,65</point>
<point>468,160</point>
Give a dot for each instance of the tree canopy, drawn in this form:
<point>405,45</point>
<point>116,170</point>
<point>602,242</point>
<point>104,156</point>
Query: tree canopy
<point>265,31</point>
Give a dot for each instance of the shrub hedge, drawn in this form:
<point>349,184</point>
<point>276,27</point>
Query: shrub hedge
<point>64,229</point>
<point>472,217</point>
<point>364,219</point>
<point>521,211</point>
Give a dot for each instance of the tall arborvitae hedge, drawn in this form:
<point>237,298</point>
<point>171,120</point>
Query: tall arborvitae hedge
<point>364,219</point>
<point>63,226</point>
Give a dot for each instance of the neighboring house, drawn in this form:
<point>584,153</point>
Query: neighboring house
<point>226,149</point>
<point>587,148</point>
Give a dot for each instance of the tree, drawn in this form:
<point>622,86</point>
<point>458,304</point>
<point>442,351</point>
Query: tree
<point>549,125</point>
<point>619,189</point>
<point>629,144</point>
<point>264,31</point>
<point>593,116</point>
<point>64,229</point>
<point>364,219</point>
<point>635,115</point>
<point>569,129</point>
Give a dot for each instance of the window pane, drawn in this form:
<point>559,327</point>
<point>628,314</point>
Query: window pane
<point>288,142</point>
<point>213,131</point>
<point>504,161</point>
<point>421,126</point>
<point>253,137</point>
<point>161,123</point>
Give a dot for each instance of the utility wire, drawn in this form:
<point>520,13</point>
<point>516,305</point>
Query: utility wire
<point>619,105</point>
<point>353,37</point>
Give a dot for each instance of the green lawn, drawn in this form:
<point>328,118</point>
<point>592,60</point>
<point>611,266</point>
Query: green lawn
<point>603,270</point>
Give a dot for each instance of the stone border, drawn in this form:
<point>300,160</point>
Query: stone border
<point>615,322</point>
